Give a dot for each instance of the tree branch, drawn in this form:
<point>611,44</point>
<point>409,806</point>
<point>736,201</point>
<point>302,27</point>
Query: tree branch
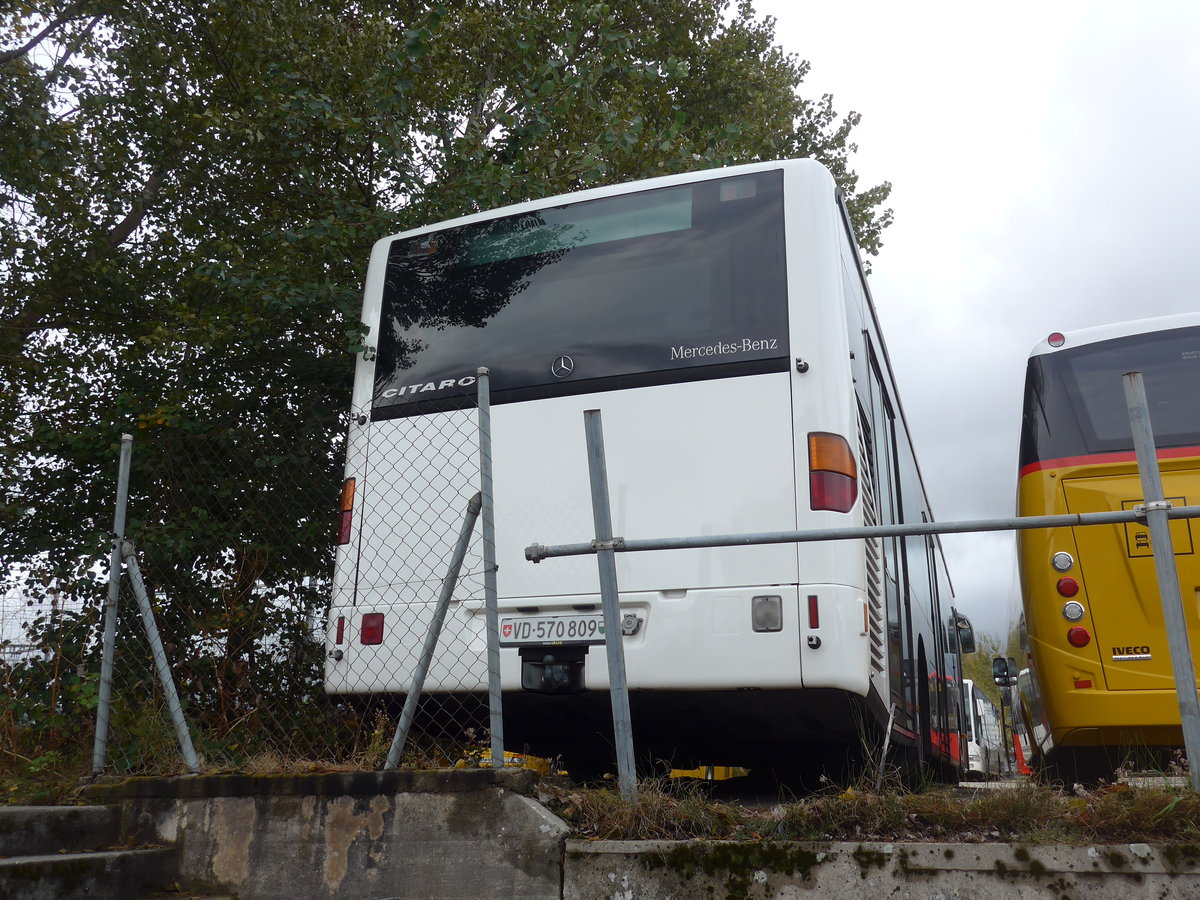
<point>15,329</point>
<point>7,55</point>
<point>72,49</point>
<point>119,233</point>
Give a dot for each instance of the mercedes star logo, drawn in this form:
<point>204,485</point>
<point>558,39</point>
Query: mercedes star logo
<point>562,367</point>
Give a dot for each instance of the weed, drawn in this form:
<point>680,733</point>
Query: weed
<point>663,810</point>
<point>1030,814</point>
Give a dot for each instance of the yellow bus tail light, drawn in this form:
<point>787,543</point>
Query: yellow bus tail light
<point>833,474</point>
<point>1078,636</point>
<point>1068,586</point>
<point>1073,610</point>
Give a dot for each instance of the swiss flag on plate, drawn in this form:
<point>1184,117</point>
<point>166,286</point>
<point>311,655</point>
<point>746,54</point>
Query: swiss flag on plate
<point>508,630</point>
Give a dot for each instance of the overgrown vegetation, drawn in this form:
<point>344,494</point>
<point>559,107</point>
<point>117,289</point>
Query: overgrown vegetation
<point>188,197</point>
<point>1029,813</point>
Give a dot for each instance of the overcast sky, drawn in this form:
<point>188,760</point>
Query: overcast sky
<point>1045,159</point>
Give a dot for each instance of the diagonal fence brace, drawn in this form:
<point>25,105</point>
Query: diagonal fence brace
<point>400,738</point>
<point>129,554</point>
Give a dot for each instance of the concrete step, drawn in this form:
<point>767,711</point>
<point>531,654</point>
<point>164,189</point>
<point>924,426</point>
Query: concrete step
<point>101,875</point>
<point>33,830</point>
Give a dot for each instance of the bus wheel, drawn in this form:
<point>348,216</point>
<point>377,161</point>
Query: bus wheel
<point>1085,766</point>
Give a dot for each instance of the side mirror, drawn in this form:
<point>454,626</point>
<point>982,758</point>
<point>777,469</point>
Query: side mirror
<point>1004,671</point>
<point>966,634</point>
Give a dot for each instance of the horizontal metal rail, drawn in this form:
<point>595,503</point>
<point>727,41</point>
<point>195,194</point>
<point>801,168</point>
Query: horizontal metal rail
<point>538,552</point>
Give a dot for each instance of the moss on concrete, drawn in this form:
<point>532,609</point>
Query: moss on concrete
<point>741,865</point>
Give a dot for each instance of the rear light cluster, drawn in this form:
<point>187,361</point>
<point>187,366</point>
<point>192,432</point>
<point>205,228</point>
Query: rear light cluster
<point>345,512</point>
<point>833,475</point>
<point>370,630</point>
<point>1073,611</point>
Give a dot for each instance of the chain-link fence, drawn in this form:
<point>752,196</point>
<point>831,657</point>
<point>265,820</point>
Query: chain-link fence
<point>47,692</point>
<point>292,608</point>
<point>399,583</point>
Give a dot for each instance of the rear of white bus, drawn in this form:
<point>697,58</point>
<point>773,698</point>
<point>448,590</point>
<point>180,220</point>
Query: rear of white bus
<point>703,316</point>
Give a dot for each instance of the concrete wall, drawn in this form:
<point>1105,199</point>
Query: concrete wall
<point>425,835</point>
<point>477,834</point>
<point>698,870</point>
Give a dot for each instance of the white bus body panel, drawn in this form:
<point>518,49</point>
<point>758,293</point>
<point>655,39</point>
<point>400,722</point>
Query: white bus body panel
<point>721,456</point>
<point>666,479</point>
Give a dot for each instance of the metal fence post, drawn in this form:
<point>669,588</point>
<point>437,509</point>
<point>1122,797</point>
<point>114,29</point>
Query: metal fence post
<point>1168,576</point>
<point>613,642</point>
<point>160,659</point>
<point>400,737</point>
<point>109,648</point>
<point>491,604</point>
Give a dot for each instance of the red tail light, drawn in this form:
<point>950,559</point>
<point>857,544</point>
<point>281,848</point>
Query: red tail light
<point>346,511</point>
<point>1068,586</point>
<point>372,629</point>
<point>833,475</point>
<point>1078,636</point>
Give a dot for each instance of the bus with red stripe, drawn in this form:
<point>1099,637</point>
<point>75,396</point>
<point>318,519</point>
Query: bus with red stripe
<point>1100,692</point>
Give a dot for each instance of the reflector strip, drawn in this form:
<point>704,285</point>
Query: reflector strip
<point>814,613</point>
<point>347,503</point>
<point>341,630</point>
<point>1083,682</point>
<point>1099,458</point>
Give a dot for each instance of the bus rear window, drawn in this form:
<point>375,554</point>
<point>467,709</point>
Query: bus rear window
<point>673,284</point>
<point>1075,399</point>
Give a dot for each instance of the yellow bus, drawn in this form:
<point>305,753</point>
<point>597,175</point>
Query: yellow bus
<point>1101,688</point>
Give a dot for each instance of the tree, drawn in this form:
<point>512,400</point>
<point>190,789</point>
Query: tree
<point>191,191</point>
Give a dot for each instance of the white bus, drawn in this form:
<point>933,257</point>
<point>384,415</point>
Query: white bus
<point>721,322</point>
<point>985,744</point>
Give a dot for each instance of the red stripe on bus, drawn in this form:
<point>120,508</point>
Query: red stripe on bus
<point>1097,459</point>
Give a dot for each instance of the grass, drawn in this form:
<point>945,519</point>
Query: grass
<point>38,767</point>
<point>666,809</point>
<point>1030,813</point>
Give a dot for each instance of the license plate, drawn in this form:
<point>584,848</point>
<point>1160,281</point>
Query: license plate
<point>587,628</point>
